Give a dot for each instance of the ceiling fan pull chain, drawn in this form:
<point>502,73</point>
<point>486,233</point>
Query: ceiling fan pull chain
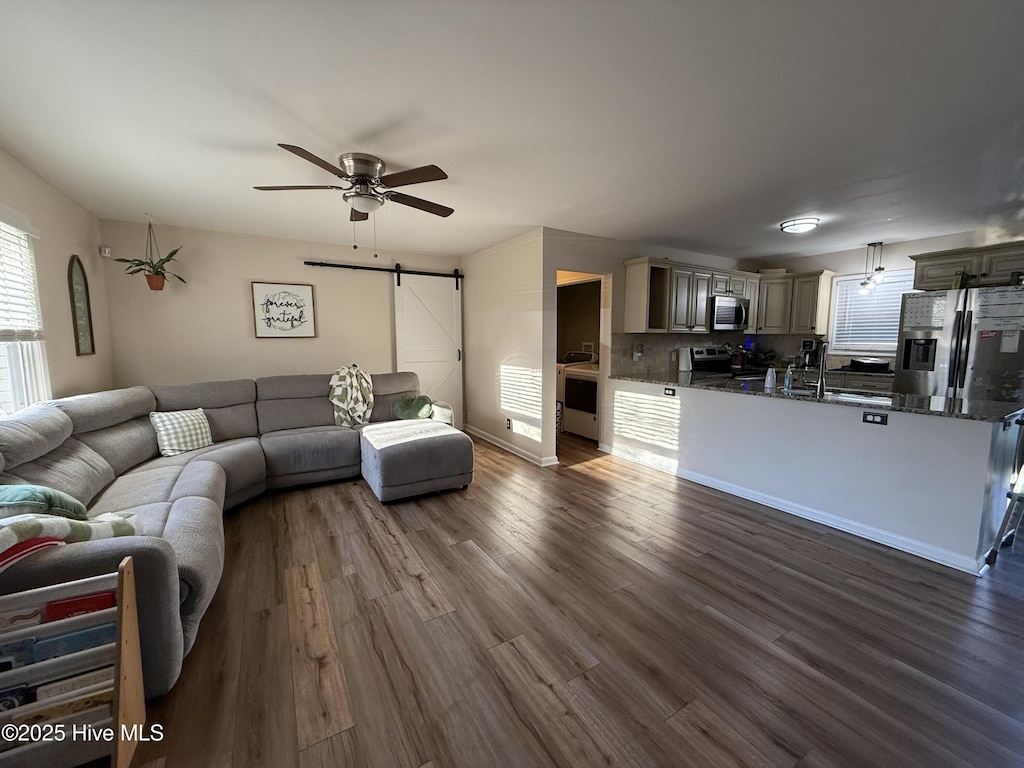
<point>374,216</point>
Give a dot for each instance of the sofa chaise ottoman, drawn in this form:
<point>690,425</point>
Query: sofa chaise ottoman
<point>400,459</point>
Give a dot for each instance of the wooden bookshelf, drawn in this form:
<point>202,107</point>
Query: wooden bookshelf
<point>71,673</point>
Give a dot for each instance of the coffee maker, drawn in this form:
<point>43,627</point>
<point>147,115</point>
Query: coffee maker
<point>810,353</point>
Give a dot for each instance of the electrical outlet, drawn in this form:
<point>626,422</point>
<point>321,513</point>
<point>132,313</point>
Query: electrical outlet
<point>508,423</point>
<point>875,418</point>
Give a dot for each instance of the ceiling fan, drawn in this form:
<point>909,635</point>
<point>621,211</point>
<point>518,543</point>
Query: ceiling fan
<point>367,188</point>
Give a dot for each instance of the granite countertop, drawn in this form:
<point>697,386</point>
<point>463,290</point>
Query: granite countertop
<point>978,410</point>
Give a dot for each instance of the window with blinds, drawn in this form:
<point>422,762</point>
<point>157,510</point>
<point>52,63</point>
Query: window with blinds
<point>20,318</point>
<point>24,378</point>
<point>868,323</point>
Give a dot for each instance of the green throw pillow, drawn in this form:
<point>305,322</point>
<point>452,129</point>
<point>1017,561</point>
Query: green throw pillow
<point>412,407</point>
<point>38,499</point>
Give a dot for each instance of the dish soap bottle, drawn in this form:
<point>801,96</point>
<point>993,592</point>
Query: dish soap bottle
<point>769,380</point>
<point>787,384</point>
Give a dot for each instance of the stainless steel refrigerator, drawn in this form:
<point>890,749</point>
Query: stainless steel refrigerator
<point>963,344</point>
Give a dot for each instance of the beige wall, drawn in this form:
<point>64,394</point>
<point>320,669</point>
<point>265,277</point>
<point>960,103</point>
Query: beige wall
<point>65,228</point>
<point>510,311</point>
<point>503,317</point>
<point>203,330</point>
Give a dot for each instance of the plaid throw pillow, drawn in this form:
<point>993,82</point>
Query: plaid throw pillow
<point>180,431</point>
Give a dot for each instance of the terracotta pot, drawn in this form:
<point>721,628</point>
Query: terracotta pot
<point>156,282</point>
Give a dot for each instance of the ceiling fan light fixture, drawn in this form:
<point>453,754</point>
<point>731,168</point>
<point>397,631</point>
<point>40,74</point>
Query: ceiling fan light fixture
<point>364,202</point>
<point>799,226</point>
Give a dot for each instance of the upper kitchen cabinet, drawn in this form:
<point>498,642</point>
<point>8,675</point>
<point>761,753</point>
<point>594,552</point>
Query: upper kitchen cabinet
<point>733,284</point>
<point>691,289</point>
<point>811,294</point>
<point>795,304</point>
<point>648,293</point>
<point>663,296</point>
<point>999,264</point>
<point>988,265</point>
<point>720,285</point>
<point>936,273</point>
<point>774,305</point>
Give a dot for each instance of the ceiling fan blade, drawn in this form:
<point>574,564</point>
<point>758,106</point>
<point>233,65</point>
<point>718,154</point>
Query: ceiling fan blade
<point>423,205</point>
<point>317,187</point>
<point>358,215</point>
<point>314,159</point>
<point>413,176</point>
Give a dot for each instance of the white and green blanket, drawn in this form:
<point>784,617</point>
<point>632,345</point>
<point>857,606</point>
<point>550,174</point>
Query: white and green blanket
<point>352,396</point>
<point>19,528</point>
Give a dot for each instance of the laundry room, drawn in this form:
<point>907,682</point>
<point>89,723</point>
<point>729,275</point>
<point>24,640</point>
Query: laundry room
<point>579,329</point>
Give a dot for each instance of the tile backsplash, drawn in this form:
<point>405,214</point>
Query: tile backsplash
<point>656,361</point>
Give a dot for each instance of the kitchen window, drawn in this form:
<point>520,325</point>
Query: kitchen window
<point>24,378</point>
<point>868,323</point>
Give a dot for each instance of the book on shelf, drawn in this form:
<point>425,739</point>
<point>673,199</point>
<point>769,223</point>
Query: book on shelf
<point>73,606</point>
<point>70,703</point>
<point>20,695</point>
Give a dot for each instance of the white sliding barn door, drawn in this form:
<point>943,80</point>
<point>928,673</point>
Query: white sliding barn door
<point>428,336</point>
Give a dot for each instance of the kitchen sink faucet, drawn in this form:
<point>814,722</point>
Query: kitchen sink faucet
<point>820,391</point>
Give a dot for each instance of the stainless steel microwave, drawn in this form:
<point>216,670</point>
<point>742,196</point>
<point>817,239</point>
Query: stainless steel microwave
<point>729,313</point>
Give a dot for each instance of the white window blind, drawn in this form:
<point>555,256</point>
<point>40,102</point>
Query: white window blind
<point>868,323</point>
<point>24,377</point>
<point>20,317</point>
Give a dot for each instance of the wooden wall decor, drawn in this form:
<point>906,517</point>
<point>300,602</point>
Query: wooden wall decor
<point>81,309</point>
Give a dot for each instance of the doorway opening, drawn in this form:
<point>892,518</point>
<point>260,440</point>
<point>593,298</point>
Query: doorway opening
<point>578,387</point>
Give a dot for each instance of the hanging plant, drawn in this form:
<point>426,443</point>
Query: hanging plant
<point>155,269</point>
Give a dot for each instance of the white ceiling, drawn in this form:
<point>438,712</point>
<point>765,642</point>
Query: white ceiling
<point>698,125</point>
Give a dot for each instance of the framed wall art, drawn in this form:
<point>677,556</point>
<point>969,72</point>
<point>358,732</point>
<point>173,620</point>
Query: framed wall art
<point>81,310</point>
<point>283,310</point>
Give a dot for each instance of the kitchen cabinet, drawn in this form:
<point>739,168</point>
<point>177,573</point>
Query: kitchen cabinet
<point>988,265</point>
<point>751,291</point>
<point>999,264</point>
<point>811,294</point>
<point>849,381</point>
<point>730,284</point>
<point>797,304</point>
<point>937,273</point>
<point>648,294</point>
<point>720,285</point>
<point>855,382</point>
<point>665,296</point>
<point>690,292</point>
<point>774,305</point>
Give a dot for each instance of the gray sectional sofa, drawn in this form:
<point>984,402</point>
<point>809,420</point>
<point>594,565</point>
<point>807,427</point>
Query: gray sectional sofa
<point>268,433</point>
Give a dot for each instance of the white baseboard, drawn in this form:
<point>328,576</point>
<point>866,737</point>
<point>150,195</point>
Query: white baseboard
<point>904,544</point>
<point>509,447</point>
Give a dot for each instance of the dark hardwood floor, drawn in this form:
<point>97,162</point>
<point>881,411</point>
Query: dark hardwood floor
<point>595,613</point>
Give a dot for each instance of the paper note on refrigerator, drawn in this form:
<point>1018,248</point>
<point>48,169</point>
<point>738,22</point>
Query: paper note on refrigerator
<point>1009,342</point>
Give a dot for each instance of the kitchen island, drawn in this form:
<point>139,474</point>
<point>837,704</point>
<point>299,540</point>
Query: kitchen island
<point>931,480</point>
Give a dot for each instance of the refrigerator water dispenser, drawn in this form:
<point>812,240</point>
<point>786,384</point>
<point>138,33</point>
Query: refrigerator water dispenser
<point>919,354</point>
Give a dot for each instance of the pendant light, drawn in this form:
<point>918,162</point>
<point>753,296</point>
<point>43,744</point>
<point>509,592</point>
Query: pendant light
<point>878,276</point>
<point>867,285</point>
